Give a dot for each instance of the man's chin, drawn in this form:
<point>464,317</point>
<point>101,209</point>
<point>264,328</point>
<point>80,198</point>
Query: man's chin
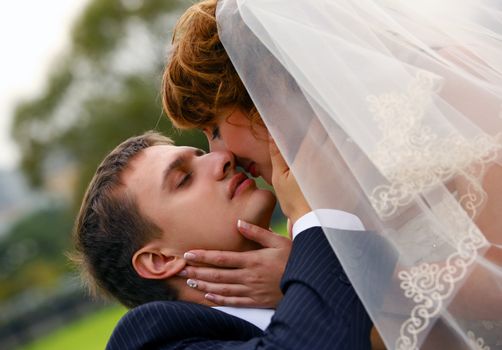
<point>263,221</point>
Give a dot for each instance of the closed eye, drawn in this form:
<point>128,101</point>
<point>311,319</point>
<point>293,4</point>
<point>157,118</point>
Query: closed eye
<point>185,180</point>
<point>215,132</point>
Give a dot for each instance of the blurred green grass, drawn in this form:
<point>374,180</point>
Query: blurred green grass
<point>281,228</point>
<point>88,333</point>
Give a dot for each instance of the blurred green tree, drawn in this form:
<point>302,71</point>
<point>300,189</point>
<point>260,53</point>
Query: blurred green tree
<point>103,90</point>
<point>32,253</point>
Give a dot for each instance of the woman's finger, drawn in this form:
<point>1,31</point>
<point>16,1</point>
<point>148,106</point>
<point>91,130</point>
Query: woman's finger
<point>279,165</point>
<point>228,290</point>
<point>265,238</point>
<point>217,258</point>
<point>215,275</point>
<point>232,301</point>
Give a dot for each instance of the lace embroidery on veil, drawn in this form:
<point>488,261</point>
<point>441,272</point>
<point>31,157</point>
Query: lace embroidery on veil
<point>430,161</point>
<point>416,153</point>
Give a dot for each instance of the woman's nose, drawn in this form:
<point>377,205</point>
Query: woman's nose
<point>216,145</point>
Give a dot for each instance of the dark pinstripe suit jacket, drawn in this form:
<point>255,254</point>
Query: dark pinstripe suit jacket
<point>320,310</point>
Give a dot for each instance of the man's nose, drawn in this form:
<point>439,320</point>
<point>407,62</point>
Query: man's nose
<point>218,145</point>
<point>221,163</point>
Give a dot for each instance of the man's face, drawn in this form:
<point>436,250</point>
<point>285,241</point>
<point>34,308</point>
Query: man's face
<point>196,198</point>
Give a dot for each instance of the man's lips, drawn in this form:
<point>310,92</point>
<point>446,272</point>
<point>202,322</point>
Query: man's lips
<point>252,169</point>
<point>238,183</point>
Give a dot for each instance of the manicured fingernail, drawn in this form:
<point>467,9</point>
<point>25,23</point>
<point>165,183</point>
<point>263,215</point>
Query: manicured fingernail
<point>243,224</point>
<point>192,283</point>
<point>209,297</point>
<point>189,256</point>
<point>183,273</point>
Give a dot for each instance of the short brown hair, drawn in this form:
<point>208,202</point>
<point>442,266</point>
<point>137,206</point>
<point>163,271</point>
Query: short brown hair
<point>109,229</point>
<point>199,79</point>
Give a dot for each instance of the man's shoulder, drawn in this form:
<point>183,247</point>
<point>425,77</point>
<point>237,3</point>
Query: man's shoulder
<point>155,309</point>
<point>179,311</point>
<point>313,259</point>
<point>160,315</point>
<point>170,321</point>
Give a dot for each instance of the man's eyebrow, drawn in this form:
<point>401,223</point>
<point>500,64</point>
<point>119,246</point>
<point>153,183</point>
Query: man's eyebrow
<point>178,163</point>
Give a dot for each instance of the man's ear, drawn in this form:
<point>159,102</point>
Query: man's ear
<point>153,262</point>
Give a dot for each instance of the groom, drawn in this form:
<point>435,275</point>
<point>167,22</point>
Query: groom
<point>150,201</point>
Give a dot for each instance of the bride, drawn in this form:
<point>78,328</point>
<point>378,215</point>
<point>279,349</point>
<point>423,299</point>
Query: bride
<point>386,109</point>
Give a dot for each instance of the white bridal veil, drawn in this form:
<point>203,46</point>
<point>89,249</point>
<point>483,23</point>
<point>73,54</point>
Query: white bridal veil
<point>392,110</point>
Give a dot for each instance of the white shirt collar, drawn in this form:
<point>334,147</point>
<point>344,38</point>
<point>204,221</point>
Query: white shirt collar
<point>259,317</point>
<point>331,218</point>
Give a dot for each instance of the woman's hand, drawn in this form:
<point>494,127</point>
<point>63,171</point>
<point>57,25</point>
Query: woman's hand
<point>245,279</point>
<point>291,199</point>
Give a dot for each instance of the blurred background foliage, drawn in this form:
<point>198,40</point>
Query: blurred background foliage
<point>103,90</point>
<point>100,91</point>
<point>31,254</point>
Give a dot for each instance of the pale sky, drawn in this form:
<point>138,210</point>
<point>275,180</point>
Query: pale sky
<point>32,34</point>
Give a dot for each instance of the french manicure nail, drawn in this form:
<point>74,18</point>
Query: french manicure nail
<point>209,297</point>
<point>189,256</point>
<point>243,224</point>
<point>183,273</point>
<point>192,283</point>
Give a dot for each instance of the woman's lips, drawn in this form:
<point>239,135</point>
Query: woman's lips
<point>253,169</point>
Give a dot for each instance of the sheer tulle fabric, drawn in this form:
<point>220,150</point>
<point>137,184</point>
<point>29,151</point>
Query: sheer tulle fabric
<point>392,110</point>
